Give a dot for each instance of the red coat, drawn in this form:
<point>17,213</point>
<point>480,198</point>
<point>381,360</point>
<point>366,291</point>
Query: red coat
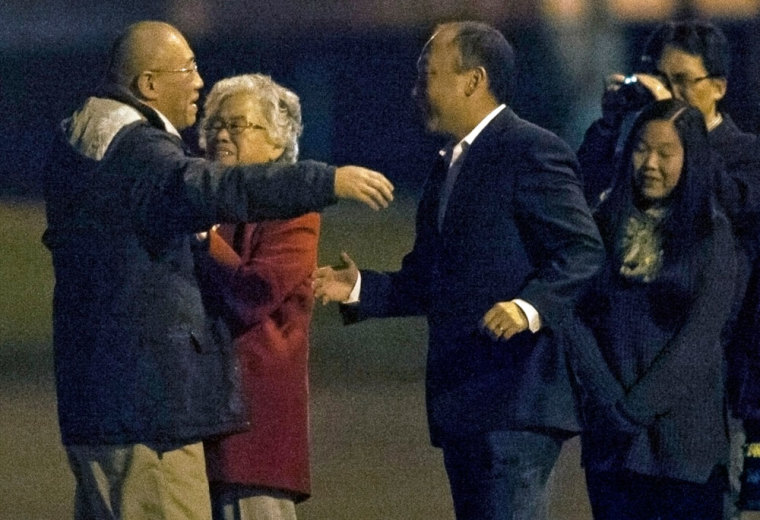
<point>266,292</point>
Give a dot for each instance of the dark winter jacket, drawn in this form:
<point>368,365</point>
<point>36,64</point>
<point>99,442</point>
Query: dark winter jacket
<point>136,357</point>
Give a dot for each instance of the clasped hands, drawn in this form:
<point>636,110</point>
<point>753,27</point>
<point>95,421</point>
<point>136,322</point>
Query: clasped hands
<point>335,283</point>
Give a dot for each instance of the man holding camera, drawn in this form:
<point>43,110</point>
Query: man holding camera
<point>686,60</point>
<point>689,60</point>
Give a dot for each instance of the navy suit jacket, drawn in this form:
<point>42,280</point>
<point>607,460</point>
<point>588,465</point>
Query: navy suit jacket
<point>516,226</point>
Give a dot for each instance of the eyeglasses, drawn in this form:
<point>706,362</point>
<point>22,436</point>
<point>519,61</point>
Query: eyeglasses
<point>185,70</point>
<point>681,80</point>
<point>233,127</point>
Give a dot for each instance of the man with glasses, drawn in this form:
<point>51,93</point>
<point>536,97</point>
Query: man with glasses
<point>689,60</point>
<point>143,374</point>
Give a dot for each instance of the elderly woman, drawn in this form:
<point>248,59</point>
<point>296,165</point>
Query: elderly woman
<point>257,276</point>
<point>655,442</point>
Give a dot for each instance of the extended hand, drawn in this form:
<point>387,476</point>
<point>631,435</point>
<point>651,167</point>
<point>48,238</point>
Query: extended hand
<point>363,185</point>
<point>504,320</point>
<point>335,283</point>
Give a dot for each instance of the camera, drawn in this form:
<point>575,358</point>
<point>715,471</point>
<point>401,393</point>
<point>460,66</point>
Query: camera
<point>632,94</point>
<point>621,98</point>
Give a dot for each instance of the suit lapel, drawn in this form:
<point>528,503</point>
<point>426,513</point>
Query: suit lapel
<point>488,143</point>
<point>428,208</point>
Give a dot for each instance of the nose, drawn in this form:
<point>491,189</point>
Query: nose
<point>650,161</point>
<point>197,80</point>
<point>221,135</point>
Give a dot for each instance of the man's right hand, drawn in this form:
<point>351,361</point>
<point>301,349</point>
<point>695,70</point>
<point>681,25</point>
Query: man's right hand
<point>652,83</point>
<point>335,283</point>
<point>363,185</point>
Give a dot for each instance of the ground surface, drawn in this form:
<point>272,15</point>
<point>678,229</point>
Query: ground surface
<point>371,457</point>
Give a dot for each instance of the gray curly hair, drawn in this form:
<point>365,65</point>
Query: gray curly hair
<point>279,105</point>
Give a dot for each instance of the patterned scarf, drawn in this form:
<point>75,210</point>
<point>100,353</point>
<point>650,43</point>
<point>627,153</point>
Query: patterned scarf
<point>640,250</point>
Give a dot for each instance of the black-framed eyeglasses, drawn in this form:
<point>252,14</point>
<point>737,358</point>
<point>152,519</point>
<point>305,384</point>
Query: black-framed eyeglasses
<point>681,80</point>
<point>184,70</point>
<point>235,127</point>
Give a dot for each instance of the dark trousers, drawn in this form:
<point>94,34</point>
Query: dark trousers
<point>624,495</point>
<point>501,475</point>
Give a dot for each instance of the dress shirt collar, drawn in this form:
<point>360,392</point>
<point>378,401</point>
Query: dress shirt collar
<point>167,124</point>
<point>457,149</point>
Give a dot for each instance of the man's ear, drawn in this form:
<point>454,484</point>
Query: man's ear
<point>478,78</point>
<point>721,84</point>
<point>145,86</point>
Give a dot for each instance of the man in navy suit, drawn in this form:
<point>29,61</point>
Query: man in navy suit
<point>504,240</point>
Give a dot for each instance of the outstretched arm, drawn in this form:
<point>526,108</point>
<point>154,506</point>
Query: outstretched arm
<point>171,193</point>
<point>363,185</point>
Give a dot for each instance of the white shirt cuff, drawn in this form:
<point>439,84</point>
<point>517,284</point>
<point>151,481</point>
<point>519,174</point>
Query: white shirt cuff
<point>354,296</point>
<point>534,320</point>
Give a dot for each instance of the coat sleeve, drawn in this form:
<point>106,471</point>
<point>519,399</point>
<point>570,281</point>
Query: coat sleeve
<point>695,351</point>
<point>171,193</point>
<point>272,269</point>
<point>405,292</point>
<point>557,228</point>
<point>600,149</point>
<point>738,189</point>
<point>596,156</point>
<point>390,294</point>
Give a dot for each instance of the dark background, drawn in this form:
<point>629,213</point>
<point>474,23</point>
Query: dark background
<point>354,78</point>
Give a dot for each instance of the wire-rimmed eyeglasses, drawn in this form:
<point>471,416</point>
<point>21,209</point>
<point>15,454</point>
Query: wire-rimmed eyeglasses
<point>184,70</point>
<point>681,80</point>
<point>234,127</point>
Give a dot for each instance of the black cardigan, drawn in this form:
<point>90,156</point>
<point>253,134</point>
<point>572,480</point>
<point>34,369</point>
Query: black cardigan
<point>664,381</point>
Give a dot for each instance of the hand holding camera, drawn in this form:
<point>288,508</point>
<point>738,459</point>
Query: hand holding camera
<point>623,94</point>
<point>652,83</point>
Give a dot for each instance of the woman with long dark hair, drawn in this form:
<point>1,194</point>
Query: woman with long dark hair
<point>652,394</point>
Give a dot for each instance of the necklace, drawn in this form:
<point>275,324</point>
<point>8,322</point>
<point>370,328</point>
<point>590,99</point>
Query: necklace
<point>712,125</point>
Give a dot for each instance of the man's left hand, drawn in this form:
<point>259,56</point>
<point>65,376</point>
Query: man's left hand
<point>504,320</point>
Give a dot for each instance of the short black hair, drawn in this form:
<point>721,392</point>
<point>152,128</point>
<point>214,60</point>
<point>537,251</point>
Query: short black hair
<point>481,45</point>
<point>693,37</point>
